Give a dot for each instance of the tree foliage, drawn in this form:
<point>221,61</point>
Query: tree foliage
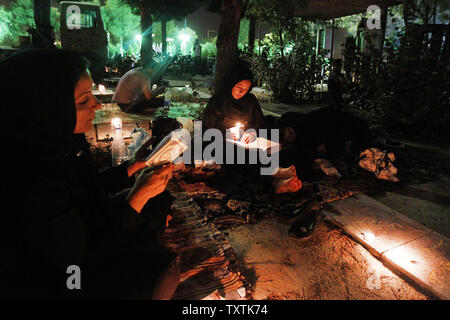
<point>120,21</point>
<point>151,11</point>
<point>15,19</point>
<point>407,90</point>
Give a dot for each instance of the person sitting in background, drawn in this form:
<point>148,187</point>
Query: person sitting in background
<point>61,212</point>
<point>134,91</point>
<point>236,104</point>
<point>315,140</point>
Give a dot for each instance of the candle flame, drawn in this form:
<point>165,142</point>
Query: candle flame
<point>238,125</point>
<point>101,89</point>
<point>116,123</point>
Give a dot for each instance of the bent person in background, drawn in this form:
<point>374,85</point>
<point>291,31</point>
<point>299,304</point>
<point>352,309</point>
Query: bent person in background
<point>134,92</point>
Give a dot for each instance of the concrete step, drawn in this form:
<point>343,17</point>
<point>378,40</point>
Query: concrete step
<point>403,244</point>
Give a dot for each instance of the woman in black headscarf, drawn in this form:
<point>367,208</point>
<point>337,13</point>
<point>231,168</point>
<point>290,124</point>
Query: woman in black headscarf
<point>60,212</point>
<point>234,103</point>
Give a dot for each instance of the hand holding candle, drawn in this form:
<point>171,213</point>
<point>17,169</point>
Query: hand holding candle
<point>235,131</point>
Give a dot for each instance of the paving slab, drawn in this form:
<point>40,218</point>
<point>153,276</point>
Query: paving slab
<point>373,224</point>
<point>423,207</point>
<point>425,260</point>
<point>401,243</point>
<point>280,108</point>
<point>436,188</point>
<point>104,130</point>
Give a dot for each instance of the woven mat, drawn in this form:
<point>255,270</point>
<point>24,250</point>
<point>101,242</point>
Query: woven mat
<point>208,265</point>
<point>239,198</point>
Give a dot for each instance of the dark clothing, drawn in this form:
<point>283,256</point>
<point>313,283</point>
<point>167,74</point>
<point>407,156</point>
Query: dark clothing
<point>224,111</point>
<point>142,105</point>
<point>336,84</point>
<point>224,116</point>
<point>61,212</point>
<point>72,220</point>
<point>324,133</point>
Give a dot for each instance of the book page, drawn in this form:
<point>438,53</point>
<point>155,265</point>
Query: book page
<point>259,143</point>
<point>170,148</point>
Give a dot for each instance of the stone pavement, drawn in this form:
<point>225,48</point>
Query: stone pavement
<point>404,245</point>
<point>401,243</point>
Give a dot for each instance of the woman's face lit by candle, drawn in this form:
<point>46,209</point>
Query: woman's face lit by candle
<point>241,88</point>
<point>85,103</point>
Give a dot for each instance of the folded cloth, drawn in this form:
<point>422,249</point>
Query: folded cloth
<point>380,162</point>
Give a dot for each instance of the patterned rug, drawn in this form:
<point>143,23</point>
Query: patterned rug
<point>239,198</point>
<point>209,268</point>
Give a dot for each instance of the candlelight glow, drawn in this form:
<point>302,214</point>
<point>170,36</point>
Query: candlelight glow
<point>410,259</point>
<point>116,123</point>
<point>236,131</point>
<point>101,89</point>
<point>369,236</point>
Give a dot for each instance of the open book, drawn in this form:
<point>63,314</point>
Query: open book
<point>170,148</point>
<point>259,143</point>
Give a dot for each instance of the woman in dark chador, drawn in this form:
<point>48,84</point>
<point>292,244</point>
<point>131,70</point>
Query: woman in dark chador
<point>235,104</point>
<point>58,211</point>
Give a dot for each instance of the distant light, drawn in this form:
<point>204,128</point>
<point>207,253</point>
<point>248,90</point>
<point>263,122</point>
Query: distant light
<point>184,37</point>
<point>138,37</point>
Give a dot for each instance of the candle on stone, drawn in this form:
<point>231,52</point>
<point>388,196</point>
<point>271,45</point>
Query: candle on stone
<point>101,89</point>
<point>116,123</point>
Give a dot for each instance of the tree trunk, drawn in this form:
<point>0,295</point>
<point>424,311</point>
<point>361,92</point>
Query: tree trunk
<point>435,11</point>
<point>227,40</point>
<point>384,14</point>
<point>445,56</point>
<point>164,35</point>
<point>146,31</point>
<point>408,17</point>
<point>251,34</point>
<point>280,34</point>
<point>43,26</point>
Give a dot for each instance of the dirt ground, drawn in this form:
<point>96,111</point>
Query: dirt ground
<point>327,266</point>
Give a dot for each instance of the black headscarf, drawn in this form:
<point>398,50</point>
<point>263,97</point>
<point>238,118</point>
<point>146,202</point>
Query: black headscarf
<point>37,98</point>
<point>239,73</point>
<point>39,116</point>
<point>224,111</point>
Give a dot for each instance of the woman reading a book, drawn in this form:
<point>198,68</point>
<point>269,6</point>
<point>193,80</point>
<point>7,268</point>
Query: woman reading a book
<point>235,104</point>
<point>62,214</point>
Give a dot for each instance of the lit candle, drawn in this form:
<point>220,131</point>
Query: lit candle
<point>235,131</point>
<point>101,89</point>
<point>116,123</point>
